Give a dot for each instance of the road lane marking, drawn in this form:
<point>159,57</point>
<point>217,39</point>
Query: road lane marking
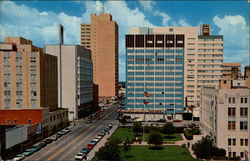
<point>73,141</point>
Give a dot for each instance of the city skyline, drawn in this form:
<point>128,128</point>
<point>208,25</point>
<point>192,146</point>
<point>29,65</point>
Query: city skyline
<point>226,21</point>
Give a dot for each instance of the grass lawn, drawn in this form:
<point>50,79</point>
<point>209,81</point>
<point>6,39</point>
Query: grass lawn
<point>121,133</point>
<point>168,153</point>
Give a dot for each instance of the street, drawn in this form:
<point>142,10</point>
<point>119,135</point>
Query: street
<point>66,147</point>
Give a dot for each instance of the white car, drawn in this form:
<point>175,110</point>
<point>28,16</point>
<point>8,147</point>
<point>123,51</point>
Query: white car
<point>80,156</point>
<point>18,157</point>
<point>95,139</point>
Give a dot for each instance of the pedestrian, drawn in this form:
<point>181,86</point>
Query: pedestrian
<point>108,132</point>
<point>188,144</point>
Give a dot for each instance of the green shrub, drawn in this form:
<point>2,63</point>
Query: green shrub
<point>195,131</point>
<point>188,135</point>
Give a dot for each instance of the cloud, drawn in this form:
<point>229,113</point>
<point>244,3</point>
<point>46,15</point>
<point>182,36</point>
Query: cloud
<point>234,29</point>
<point>147,5</point>
<point>183,23</point>
<point>44,13</point>
<point>236,38</point>
<point>165,17</point>
<point>40,27</point>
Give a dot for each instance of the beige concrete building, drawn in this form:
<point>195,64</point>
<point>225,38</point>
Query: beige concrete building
<point>231,70</point>
<point>28,86</point>
<point>210,60</point>
<point>101,37</point>
<point>75,78</point>
<point>225,114</point>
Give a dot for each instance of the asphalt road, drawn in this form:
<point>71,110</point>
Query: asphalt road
<point>66,147</point>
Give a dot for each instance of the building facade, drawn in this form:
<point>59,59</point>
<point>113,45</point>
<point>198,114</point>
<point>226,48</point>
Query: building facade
<point>155,72</point>
<point>225,115</point>
<point>203,58</point>
<point>230,70</point>
<point>28,89</point>
<point>101,37</point>
<point>75,78</point>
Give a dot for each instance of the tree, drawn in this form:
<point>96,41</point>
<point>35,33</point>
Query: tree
<point>110,152</point>
<point>205,149</point>
<point>155,139</point>
<point>137,127</point>
<point>123,120</point>
<point>168,128</point>
<point>126,145</point>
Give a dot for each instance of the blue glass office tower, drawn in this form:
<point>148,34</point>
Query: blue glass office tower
<point>155,73</point>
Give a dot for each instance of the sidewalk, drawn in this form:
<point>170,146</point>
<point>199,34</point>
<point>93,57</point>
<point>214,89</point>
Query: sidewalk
<point>101,143</point>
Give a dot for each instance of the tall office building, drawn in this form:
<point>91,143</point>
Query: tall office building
<point>75,78</point>
<point>155,72</point>
<point>230,70</point>
<point>202,55</point>
<point>225,115</point>
<point>210,60</point>
<point>101,37</point>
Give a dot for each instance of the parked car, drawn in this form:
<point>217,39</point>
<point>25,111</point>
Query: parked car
<point>106,129</point>
<point>19,157</point>
<point>28,152</point>
<point>110,126</point>
<point>102,134</point>
<point>88,121</point>
<point>85,150</point>
<point>93,142</point>
<point>96,140</point>
<point>90,146</point>
<point>53,137</point>
<point>48,141</point>
<point>80,156</point>
<point>67,129</point>
<point>39,146</point>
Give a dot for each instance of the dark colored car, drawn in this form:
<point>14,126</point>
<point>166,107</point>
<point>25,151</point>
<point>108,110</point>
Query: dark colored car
<point>88,121</point>
<point>85,150</point>
<point>48,141</point>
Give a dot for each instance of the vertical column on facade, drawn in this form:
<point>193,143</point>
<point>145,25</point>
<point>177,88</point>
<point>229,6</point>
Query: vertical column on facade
<point>155,54</point>
<point>175,38</point>
<point>164,75</point>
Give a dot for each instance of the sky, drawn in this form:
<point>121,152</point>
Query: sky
<point>37,21</point>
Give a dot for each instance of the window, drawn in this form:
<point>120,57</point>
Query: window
<point>241,142</point>
<point>244,111</point>
<point>15,122</point>
<point>233,100</point>
<point>229,100</point>
<point>241,154</point>
<point>231,111</point>
<point>232,142</point>
<point>243,125</point>
<point>241,100</point>
<point>231,125</point>
<point>245,100</point>
<point>7,122</point>
<point>246,142</point>
<point>29,122</point>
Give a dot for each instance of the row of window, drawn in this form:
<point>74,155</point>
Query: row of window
<point>155,73</point>
<point>232,125</point>
<point>243,111</point>
<point>155,89</point>
<point>154,79</point>
<point>232,142</point>
<point>231,100</point>
<point>155,67</point>
<point>155,51</point>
